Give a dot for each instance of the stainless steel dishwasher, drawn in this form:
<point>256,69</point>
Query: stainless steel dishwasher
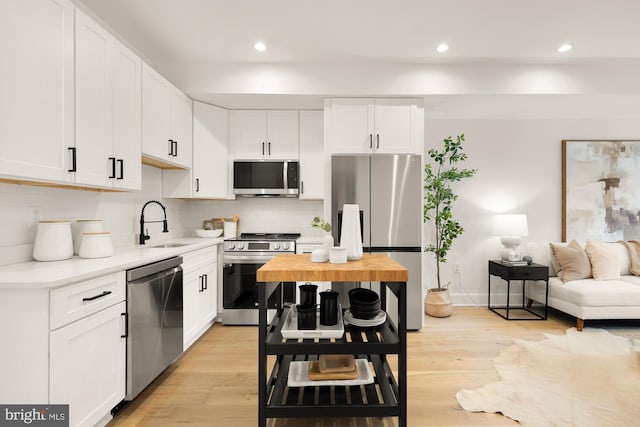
<point>154,310</point>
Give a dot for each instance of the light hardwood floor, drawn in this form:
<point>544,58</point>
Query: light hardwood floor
<point>215,382</point>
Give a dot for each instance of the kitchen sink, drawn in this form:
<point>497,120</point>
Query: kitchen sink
<point>169,245</point>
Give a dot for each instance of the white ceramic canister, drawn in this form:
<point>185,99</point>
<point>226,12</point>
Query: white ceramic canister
<point>96,245</point>
<point>53,241</point>
<point>230,229</point>
<point>84,226</point>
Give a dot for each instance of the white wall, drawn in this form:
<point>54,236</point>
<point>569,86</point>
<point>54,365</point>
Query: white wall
<point>519,171</point>
<point>119,211</point>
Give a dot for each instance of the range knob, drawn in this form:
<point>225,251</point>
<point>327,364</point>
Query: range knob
<point>231,246</point>
<point>240,246</point>
<point>285,246</point>
<point>276,246</point>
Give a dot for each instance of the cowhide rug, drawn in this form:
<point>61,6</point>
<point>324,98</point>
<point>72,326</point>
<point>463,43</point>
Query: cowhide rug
<point>588,378</point>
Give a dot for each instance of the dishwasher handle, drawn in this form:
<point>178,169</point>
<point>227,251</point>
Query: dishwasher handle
<point>154,268</point>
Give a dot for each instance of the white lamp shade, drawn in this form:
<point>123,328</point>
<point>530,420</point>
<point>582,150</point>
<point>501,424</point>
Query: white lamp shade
<point>511,225</point>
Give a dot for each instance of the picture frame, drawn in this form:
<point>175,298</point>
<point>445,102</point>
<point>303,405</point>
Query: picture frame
<point>600,190</point>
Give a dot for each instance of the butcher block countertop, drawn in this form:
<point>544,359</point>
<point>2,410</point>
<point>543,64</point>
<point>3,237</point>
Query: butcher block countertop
<point>298,268</point>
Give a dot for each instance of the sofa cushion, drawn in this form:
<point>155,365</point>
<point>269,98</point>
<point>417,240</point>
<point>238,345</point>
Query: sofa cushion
<point>604,258</point>
<point>540,252</point>
<point>594,293</point>
<point>570,262</point>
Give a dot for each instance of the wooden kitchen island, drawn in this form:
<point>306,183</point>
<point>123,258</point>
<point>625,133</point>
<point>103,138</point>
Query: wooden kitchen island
<point>386,397</point>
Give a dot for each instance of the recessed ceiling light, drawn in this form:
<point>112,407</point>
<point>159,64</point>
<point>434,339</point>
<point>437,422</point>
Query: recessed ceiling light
<point>260,47</point>
<point>565,47</point>
<point>442,47</point>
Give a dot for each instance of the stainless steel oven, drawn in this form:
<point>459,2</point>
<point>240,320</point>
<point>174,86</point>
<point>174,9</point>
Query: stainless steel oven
<point>242,257</point>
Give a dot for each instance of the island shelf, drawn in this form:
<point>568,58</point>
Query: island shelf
<point>385,397</point>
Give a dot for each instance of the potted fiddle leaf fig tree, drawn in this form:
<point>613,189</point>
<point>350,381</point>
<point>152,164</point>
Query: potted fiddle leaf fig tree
<point>441,171</point>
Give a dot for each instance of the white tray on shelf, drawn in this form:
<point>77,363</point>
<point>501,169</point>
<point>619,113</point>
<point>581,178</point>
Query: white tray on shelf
<point>299,375</point>
<point>290,326</point>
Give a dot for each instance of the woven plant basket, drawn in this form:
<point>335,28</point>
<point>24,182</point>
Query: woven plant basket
<point>438,303</point>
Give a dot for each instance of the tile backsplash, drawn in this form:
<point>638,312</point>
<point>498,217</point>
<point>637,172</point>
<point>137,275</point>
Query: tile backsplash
<point>120,211</point>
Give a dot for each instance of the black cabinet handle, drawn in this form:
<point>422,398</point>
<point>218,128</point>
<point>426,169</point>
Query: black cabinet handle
<point>121,163</point>
<point>126,325</point>
<point>113,167</point>
<point>73,159</point>
<point>104,294</point>
<point>370,140</point>
<point>171,147</point>
<point>200,283</point>
<point>302,187</point>
<point>175,152</point>
<point>269,148</point>
<point>206,281</point>
<point>197,185</point>
<point>263,148</point>
<point>377,140</point>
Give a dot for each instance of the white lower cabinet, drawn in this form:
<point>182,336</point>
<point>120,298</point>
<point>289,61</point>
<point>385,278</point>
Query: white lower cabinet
<point>87,365</point>
<point>200,292</point>
<point>66,346</point>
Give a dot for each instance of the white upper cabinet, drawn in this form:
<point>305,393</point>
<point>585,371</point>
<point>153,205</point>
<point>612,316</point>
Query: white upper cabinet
<point>36,87</point>
<point>127,118</point>
<point>366,125</point>
<point>209,176</point>
<point>311,155</point>
<point>108,109</point>
<point>167,122</point>
<point>260,134</point>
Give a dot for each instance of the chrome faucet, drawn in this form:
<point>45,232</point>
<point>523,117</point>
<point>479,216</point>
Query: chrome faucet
<point>165,229</point>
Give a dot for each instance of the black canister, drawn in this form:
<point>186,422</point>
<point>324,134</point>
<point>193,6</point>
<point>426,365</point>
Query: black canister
<point>328,308</point>
<point>308,294</point>
<point>306,316</point>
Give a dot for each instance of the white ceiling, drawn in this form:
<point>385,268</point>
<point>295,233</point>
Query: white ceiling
<point>190,41</point>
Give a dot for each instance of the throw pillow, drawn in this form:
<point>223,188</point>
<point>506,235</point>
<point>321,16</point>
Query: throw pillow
<point>570,262</point>
<point>604,262</point>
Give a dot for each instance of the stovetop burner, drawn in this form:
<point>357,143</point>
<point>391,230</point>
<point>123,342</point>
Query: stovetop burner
<point>266,236</point>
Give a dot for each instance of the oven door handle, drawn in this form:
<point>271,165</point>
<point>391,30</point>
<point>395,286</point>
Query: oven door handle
<point>246,259</point>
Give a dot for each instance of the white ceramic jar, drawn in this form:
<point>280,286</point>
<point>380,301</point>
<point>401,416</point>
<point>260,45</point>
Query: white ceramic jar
<point>53,241</point>
<point>96,245</point>
<point>84,226</point>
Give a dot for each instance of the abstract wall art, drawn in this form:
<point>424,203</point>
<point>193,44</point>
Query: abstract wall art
<point>600,190</point>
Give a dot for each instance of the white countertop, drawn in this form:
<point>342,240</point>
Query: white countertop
<point>53,274</point>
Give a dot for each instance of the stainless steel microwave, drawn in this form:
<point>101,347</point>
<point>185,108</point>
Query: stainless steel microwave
<point>265,178</point>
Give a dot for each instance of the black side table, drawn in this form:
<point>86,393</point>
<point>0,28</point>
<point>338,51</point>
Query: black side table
<point>520,272</point>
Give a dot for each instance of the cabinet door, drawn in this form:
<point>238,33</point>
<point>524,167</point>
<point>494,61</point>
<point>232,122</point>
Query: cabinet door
<point>156,114</point>
<point>209,176</point>
<point>351,126</point>
<point>191,290</point>
<point>181,128</point>
<point>311,155</point>
<point>127,117</point>
<point>87,365</point>
<point>249,130</point>
<point>282,135</point>
<point>94,112</point>
<point>393,126</point>
<point>36,83</point>
<point>209,296</point>
<point>211,151</point>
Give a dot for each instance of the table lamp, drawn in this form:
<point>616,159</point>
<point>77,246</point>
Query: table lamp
<point>511,229</point>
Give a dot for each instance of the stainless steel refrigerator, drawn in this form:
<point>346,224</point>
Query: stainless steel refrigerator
<point>388,190</point>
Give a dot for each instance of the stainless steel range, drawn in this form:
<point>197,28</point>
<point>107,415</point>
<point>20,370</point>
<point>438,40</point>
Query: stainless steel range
<point>242,257</point>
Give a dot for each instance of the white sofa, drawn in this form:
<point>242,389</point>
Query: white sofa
<point>588,299</point>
